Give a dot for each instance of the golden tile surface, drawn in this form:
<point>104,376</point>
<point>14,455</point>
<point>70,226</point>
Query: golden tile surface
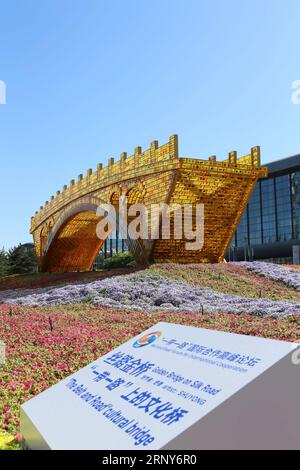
<point>64,229</point>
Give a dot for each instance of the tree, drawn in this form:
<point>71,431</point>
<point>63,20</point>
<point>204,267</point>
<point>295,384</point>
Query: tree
<point>4,266</point>
<point>21,261</point>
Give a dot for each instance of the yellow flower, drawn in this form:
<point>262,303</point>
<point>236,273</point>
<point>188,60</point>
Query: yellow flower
<point>8,442</point>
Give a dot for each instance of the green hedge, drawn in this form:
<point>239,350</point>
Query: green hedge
<point>119,260</point>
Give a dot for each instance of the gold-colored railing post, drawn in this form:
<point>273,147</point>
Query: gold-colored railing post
<point>89,173</point>
<point>111,162</point>
<point>137,154</point>
<point>232,158</point>
<point>153,148</point>
<point>123,158</point>
<point>99,169</point>
<point>173,145</point>
<point>255,156</point>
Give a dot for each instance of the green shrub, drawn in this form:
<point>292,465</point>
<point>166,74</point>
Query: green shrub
<point>4,266</point>
<point>119,260</point>
<point>20,261</point>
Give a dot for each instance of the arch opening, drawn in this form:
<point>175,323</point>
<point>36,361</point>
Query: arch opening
<point>75,245</point>
<point>136,195</point>
<point>72,244</point>
<point>43,239</point>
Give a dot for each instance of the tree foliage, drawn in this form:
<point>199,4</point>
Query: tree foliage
<point>119,260</point>
<point>21,261</point>
<point>4,265</point>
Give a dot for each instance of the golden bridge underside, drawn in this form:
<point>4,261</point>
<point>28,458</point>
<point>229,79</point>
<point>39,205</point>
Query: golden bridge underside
<point>64,230</point>
<point>224,197</point>
<point>75,246</point>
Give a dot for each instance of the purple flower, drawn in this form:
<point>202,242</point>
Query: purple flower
<point>144,291</point>
<point>275,272</point>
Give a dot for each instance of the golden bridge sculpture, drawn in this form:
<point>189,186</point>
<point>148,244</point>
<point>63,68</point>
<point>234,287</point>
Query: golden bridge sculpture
<point>64,229</point>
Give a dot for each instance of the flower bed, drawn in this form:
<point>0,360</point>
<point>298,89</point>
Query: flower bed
<point>275,272</point>
<point>150,292</point>
<point>292,266</point>
<point>9,442</point>
<point>230,278</point>
<point>40,280</point>
<point>45,345</point>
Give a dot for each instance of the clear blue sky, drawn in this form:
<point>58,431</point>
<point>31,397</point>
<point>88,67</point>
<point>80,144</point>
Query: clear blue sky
<point>88,79</point>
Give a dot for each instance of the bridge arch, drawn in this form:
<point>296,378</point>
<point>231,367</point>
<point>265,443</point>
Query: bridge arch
<point>114,199</point>
<point>136,194</point>
<point>72,243</point>
<point>43,239</point>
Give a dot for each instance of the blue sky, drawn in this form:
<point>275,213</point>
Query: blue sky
<point>89,79</point>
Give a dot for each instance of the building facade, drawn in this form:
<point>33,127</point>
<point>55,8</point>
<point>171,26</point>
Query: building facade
<point>110,247</point>
<point>270,226</point>
<point>28,248</point>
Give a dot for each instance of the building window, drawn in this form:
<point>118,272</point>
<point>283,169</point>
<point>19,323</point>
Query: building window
<point>283,206</point>
<point>268,211</point>
<point>255,217</point>
<point>295,195</point>
<point>242,231</point>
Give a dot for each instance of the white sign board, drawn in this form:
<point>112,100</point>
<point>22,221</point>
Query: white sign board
<point>174,387</point>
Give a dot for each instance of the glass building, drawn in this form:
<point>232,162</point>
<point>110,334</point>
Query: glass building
<point>28,248</point>
<point>270,225</point>
<point>110,247</point>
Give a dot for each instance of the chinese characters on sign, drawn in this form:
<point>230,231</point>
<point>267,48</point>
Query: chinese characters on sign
<point>149,391</point>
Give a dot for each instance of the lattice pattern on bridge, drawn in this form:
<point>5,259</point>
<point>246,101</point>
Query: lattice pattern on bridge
<point>64,229</point>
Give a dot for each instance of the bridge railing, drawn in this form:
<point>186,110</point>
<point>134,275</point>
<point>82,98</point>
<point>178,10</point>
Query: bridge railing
<point>140,163</point>
<point>154,159</point>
